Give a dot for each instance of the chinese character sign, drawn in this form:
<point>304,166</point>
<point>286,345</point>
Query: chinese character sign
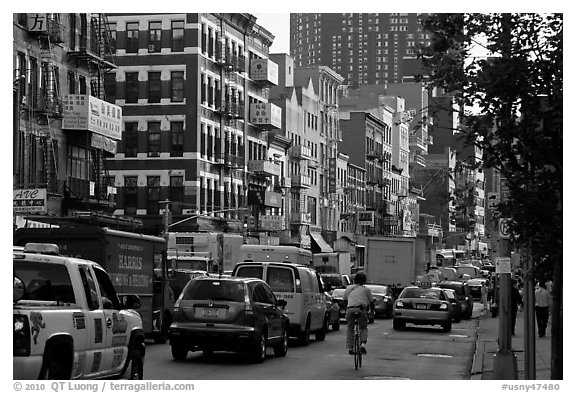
<point>84,112</point>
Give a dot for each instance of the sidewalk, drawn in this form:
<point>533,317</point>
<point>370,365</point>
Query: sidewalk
<point>487,345</point>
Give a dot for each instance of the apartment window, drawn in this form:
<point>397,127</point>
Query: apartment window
<point>71,83</point>
<point>131,140</point>
<point>153,191</point>
<point>154,36</point>
<point>154,139</point>
<point>79,165</point>
<point>176,139</point>
<point>177,36</point>
<point>72,42</point>
<point>111,45</point>
<point>82,81</point>
<point>177,86</point>
<point>131,87</point>
<point>177,193</point>
<point>154,87</point>
<point>130,194</point>
<point>132,37</point>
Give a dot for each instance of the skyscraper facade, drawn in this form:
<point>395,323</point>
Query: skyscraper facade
<point>365,48</point>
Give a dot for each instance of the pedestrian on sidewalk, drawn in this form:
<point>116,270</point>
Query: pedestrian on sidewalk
<point>516,302</point>
<point>542,302</point>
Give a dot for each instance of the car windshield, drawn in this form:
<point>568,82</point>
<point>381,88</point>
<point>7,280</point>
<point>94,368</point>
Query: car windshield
<point>334,280</point>
<point>420,293</point>
<point>222,290</point>
<point>378,289</point>
<point>338,293</point>
<point>450,294</point>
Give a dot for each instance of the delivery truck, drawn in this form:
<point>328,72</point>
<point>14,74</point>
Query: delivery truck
<point>391,261</point>
<point>136,264</point>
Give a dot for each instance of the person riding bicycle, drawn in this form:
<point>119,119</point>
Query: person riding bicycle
<point>358,299</point>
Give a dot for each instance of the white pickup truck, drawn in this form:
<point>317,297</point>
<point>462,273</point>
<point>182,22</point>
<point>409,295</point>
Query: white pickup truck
<point>69,322</point>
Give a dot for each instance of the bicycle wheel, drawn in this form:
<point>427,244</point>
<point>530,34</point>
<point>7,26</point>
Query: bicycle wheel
<point>357,354</point>
<point>359,350</point>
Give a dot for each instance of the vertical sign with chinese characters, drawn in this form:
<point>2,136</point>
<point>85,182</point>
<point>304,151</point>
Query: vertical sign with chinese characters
<point>332,176</point>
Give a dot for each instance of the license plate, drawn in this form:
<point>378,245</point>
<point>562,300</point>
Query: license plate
<point>421,306</point>
<point>212,312</point>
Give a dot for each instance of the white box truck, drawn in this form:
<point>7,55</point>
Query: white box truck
<point>391,261</point>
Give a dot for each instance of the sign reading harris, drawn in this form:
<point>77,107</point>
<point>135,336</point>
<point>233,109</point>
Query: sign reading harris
<point>84,112</point>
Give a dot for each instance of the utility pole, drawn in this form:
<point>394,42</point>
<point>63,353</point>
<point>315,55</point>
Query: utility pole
<point>529,328</point>
<point>505,364</point>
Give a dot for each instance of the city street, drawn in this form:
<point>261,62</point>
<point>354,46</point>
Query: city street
<point>416,353</point>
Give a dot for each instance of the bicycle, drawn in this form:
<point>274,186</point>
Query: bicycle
<point>357,351</point>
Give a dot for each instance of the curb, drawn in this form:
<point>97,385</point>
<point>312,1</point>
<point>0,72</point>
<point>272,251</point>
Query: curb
<point>478,359</point>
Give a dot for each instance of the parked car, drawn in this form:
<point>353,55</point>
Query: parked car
<point>383,299</point>
<point>228,314</point>
<point>332,312</point>
<point>463,294</point>
<point>476,287</point>
<point>422,306</point>
<point>456,306</point>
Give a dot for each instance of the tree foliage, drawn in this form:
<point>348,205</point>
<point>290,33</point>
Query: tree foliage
<point>517,93</point>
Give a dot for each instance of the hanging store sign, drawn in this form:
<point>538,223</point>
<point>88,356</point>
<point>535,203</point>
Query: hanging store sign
<point>366,218</point>
<point>32,200</point>
<point>103,143</point>
<point>266,114</point>
<point>264,70</point>
<point>84,112</point>
<point>332,175</point>
<point>272,199</point>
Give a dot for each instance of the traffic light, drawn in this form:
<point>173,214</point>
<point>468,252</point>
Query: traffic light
<point>245,221</point>
<point>252,222</point>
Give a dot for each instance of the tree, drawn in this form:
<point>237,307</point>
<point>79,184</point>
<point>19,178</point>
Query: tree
<point>517,91</point>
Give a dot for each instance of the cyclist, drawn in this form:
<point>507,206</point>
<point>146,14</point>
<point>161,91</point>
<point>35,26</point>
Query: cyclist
<point>358,298</point>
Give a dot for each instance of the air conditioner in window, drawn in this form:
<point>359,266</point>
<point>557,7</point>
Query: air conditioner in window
<point>153,154</point>
<point>151,48</point>
<point>189,211</point>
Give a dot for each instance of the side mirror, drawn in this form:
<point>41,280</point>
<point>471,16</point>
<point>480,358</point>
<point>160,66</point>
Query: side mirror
<point>19,289</point>
<point>281,303</point>
<point>131,302</point>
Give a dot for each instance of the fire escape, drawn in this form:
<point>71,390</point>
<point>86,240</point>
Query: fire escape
<point>95,54</point>
<point>229,104</point>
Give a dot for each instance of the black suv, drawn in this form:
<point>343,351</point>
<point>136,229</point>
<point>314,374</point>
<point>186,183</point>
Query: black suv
<point>228,314</point>
<point>463,294</point>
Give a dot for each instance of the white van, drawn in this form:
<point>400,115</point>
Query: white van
<point>302,289</point>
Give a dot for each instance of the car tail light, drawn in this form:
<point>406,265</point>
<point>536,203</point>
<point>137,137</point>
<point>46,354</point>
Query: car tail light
<point>21,335</point>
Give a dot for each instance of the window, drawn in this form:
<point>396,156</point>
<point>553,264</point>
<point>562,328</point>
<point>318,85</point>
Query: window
<point>106,289</point>
<point>45,281</point>
<point>177,36</point>
<point>153,190</point>
<point>176,139</point>
<point>78,163</point>
<point>82,81</point>
<point>177,86</point>
<point>131,140</point>
<point>72,42</point>
<point>154,139</point>
<point>71,83</point>
<point>280,279</point>
<point>154,37</point>
<point>154,87</point>
<point>132,87</point>
<point>130,194</point>
<point>177,193</point>
<point>111,45</point>
<point>132,37</point>
<point>89,287</point>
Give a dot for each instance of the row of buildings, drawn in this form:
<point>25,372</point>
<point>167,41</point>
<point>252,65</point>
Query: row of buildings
<point>186,122</point>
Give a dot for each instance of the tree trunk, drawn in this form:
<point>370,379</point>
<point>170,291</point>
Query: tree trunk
<point>556,358</point>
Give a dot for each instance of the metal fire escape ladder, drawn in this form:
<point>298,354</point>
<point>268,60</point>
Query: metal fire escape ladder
<point>52,110</point>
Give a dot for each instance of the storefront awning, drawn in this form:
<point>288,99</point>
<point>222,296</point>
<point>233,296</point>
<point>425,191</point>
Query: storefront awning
<point>320,242</point>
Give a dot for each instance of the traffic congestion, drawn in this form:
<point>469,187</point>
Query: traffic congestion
<point>78,314</point>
